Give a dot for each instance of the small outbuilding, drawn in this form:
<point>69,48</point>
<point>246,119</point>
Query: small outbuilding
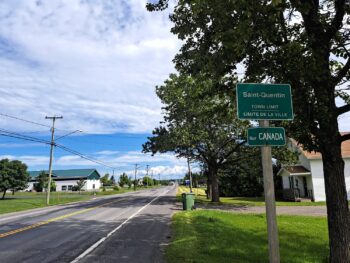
<point>66,180</point>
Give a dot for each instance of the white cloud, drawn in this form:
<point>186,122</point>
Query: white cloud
<point>162,172</point>
<point>167,165</point>
<point>19,145</point>
<point>29,160</point>
<point>94,62</point>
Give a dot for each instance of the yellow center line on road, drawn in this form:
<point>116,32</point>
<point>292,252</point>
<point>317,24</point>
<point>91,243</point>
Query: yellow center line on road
<point>56,219</point>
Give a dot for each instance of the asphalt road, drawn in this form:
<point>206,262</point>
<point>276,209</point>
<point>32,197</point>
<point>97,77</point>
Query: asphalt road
<point>131,227</point>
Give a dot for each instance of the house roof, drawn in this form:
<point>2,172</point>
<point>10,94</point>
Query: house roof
<point>345,150</point>
<point>294,170</point>
<point>71,173</point>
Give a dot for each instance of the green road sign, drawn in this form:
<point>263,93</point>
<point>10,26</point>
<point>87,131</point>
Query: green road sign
<point>274,136</point>
<point>264,101</point>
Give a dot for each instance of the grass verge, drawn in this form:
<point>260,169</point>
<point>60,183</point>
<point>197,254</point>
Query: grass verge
<point>29,200</point>
<point>214,236</point>
<point>26,201</point>
<point>240,201</point>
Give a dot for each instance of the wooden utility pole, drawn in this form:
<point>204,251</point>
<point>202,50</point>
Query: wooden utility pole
<point>269,191</point>
<point>51,155</point>
<point>136,166</point>
<point>189,173</point>
<point>147,168</point>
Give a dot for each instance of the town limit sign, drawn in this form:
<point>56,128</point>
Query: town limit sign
<point>264,101</point>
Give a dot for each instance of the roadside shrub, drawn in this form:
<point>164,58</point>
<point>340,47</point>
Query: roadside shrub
<point>37,187</point>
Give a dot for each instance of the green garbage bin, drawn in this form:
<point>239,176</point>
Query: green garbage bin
<point>187,201</point>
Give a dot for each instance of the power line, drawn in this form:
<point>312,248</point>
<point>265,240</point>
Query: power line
<point>84,156</point>
<point>28,121</point>
<point>21,136</point>
<point>20,119</point>
<point>18,137</point>
<point>33,139</point>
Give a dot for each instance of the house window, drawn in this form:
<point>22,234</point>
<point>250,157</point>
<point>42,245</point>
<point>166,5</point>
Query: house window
<point>70,187</point>
<point>64,188</point>
<point>93,186</point>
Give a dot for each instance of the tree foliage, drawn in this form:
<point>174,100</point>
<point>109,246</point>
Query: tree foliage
<point>303,43</point>
<point>147,181</point>
<point>106,181</point>
<point>124,180</point>
<point>43,180</point>
<point>198,124</point>
<point>13,175</point>
<point>80,184</point>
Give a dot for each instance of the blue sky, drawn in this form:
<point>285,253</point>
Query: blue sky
<point>96,62</point>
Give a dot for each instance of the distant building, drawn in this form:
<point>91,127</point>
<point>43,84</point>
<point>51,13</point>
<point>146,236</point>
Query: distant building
<point>66,180</point>
<point>306,180</point>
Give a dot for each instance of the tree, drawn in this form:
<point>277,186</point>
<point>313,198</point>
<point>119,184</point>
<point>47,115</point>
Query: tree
<point>304,43</point>
<point>147,181</point>
<point>43,181</point>
<point>105,180</point>
<point>80,184</point>
<point>112,180</point>
<point>124,180</point>
<point>13,175</point>
<point>242,178</point>
<point>198,125</point>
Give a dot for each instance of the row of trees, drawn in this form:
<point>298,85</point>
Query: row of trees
<point>303,43</point>
<point>125,180</point>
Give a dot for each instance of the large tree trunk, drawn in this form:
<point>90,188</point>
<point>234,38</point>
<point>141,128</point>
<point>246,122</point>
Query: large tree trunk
<point>325,112</point>
<point>337,203</point>
<point>208,189</point>
<point>213,175</point>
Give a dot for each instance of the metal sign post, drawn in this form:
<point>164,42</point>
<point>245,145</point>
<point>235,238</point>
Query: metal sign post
<point>269,191</point>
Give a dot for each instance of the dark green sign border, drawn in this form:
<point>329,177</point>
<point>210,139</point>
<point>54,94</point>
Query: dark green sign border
<point>244,105</point>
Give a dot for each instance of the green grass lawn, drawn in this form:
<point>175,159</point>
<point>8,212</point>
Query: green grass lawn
<point>240,201</point>
<point>213,236</point>
<point>25,201</point>
<point>29,200</point>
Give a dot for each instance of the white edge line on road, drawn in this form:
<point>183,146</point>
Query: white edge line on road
<point>99,242</point>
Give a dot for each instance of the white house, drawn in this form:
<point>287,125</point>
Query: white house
<point>66,180</point>
<point>306,179</point>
